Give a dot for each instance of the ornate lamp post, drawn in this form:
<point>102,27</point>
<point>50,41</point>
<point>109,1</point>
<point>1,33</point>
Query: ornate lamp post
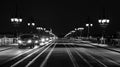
<point>88,26</point>
<point>80,29</point>
<point>103,23</point>
<point>31,26</point>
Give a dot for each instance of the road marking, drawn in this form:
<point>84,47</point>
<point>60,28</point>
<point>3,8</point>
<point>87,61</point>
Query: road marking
<point>47,57</point>
<point>31,62</point>
<point>110,60</point>
<point>26,57</point>
<point>97,60</point>
<point>72,58</point>
<point>83,58</point>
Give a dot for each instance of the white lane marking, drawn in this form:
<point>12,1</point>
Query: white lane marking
<point>31,62</point>
<point>110,60</point>
<point>97,60</point>
<point>83,58</point>
<point>71,57</point>
<point>26,57</point>
<point>47,57</point>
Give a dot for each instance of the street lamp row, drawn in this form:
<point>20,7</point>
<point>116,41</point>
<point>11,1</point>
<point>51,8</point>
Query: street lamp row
<point>17,20</point>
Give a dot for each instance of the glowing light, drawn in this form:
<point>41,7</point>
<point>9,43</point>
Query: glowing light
<point>20,20</point>
<point>28,24</point>
<point>99,21</point>
<point>12,20</point>
<point>29,41</point>
<point>42,39</point>
<point>33,24</point>
<point>91,24</point>
<point>36,41</point>
<point>19,41</point>
<point>87,24</point>
<point>47,39</point>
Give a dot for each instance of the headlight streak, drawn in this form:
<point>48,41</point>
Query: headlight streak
<point>71,57</point>
<point>47,57</point>
<point>82,57</point>
<point>15,64</point>
<point>31,62</point>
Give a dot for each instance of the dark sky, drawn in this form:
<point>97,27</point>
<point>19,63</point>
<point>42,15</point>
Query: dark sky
<point>60,15</point>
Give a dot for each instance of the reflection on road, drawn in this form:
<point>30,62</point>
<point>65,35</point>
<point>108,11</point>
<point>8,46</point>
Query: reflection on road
<point>61,53</point>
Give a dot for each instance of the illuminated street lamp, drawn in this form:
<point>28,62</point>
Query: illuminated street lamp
<point>103,23</point>
<point>81,29</point>
<point>16,20</point>
<point>33,24</point>
<point>89,25</point>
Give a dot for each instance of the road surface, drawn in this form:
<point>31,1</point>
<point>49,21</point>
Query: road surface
<point>61,53</point>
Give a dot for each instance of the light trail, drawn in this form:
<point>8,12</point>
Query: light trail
<point>83,58</point>
<point>26,57</point>
<point>71,57</point>
<point>31,62</point>
<point>47,57</point>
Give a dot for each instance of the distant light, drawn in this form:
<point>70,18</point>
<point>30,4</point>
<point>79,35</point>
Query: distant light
<point>87,24</point>
<point>81,28</point>
<point>47,39</point>
<point>104,20</point>
<point>91,24</point>
<point>100,21</point>
<point>12,20</point>
<point>28,24</point>
<point>16,19</point>
<point>33,24</point>
<point>108,21</point>
<point>20,20</point>
<point>42,39</point>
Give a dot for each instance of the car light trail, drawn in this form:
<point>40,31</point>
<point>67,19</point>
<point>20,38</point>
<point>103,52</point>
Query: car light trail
<point>26,57</point>
<point>72,58</point>
<point>38,56</point>
<point>47,57</point>
<point>83,58</point>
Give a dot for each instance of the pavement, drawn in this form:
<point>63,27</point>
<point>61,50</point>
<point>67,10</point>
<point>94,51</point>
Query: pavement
<point>61,53</point>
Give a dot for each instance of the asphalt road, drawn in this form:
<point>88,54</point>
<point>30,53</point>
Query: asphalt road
<point>61,53</point>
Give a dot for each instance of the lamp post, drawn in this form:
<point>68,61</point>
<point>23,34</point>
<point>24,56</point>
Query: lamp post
<point>80,29</point>
<point>16,20</point>
<point>103,23</point>
<point>31,26</point>
<point>89,25</point>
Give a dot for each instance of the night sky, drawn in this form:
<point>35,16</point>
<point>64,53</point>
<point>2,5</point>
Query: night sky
<point>60,15</point>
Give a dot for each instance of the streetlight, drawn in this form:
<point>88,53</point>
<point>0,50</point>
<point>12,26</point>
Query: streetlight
<point>89,25</point>
<point>31,25</point>
<point>81,29</point>
<point>16,22</point>
<point>103,23</point>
